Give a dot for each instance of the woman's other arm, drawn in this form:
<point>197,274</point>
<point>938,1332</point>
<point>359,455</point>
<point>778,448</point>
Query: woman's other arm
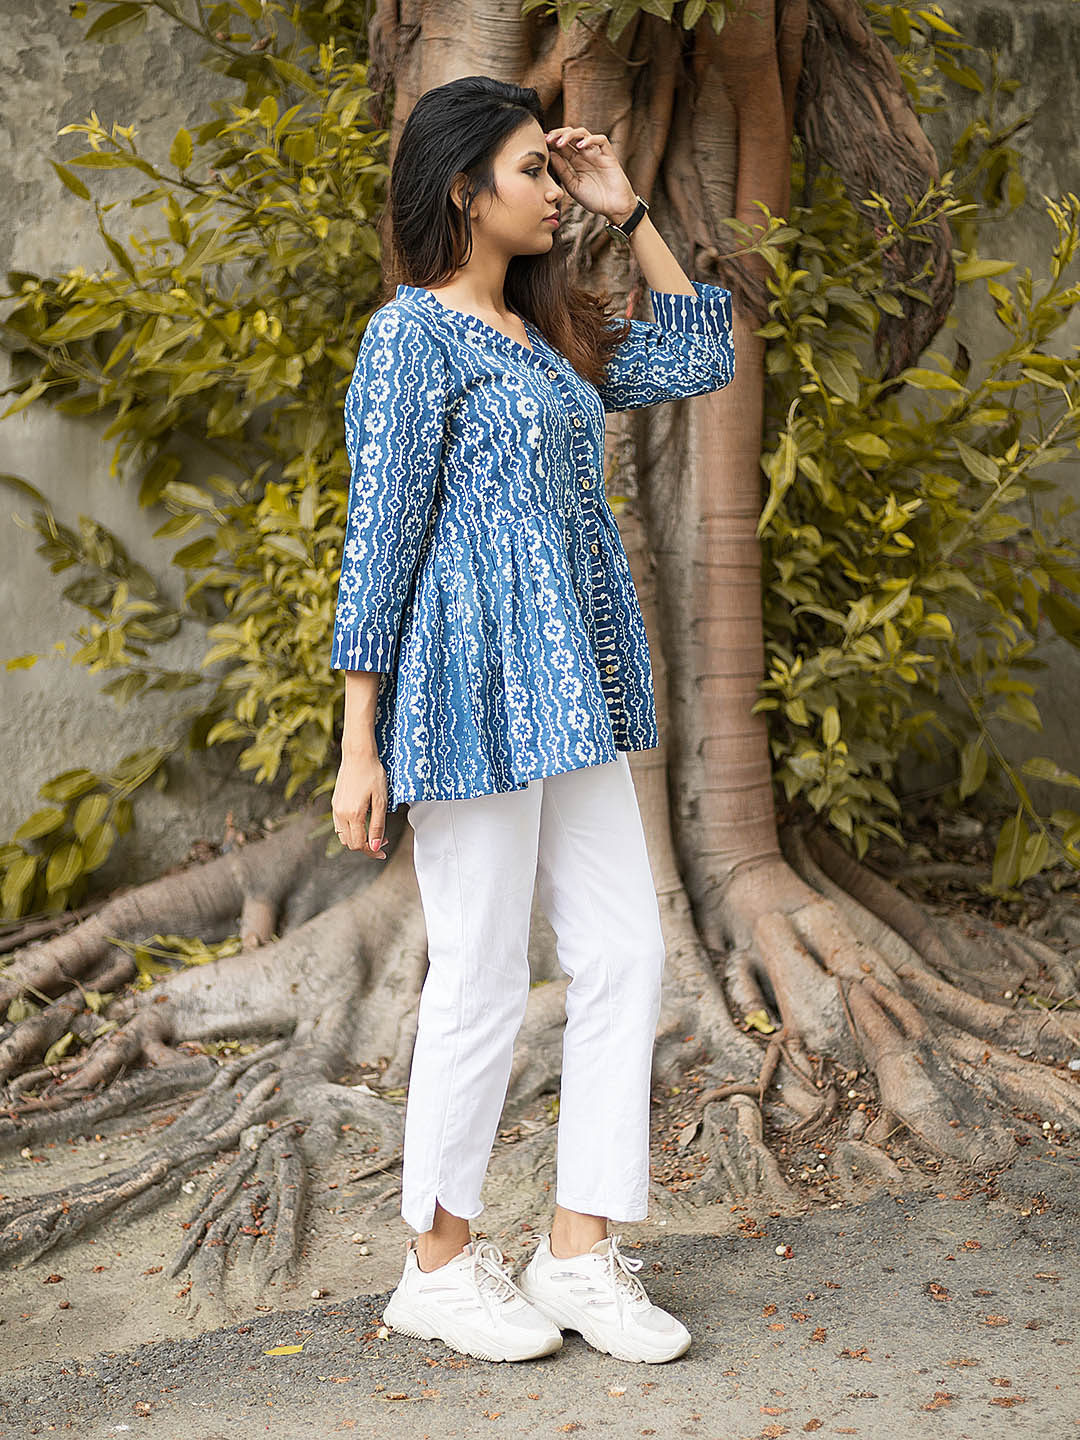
<point>361,780</point>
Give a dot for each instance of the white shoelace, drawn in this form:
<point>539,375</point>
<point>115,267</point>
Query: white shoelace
<point>488,1273</point>
<point>621,1270</point>
<point>622,1283</point>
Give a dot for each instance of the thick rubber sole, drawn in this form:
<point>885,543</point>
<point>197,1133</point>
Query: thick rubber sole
<point>414,1323</point>
<point>568,1321</point>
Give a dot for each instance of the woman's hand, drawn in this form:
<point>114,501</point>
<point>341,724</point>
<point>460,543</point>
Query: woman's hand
<point>586,167</point>
<point>361,784</point>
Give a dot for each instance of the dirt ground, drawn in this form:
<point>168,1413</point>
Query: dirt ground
<point>952,1312</point>
<point>946,1308</point>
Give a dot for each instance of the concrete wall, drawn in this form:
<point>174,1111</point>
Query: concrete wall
<point>1039,45</point>
<point>51,716</point>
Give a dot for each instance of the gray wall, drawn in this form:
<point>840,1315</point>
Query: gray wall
<point>1039,45</point>
<point>51,716</point>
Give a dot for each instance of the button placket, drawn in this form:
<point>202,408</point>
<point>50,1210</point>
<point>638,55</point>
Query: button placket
<point>604,627</point>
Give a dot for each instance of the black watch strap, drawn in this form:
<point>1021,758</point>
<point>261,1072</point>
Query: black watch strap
<point>631,220</point>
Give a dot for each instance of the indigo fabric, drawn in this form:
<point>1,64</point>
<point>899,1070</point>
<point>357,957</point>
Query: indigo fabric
<point>482,571</point>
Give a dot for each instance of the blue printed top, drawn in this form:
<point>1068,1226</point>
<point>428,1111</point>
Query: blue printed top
<point>482,571</point>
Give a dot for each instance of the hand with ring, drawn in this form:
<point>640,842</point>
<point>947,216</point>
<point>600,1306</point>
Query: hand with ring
<point>360,795</point>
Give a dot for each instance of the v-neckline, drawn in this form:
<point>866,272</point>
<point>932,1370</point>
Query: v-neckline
<point>473,322</point>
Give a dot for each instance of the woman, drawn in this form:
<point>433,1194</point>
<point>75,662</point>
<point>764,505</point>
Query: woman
<point>496,675</point>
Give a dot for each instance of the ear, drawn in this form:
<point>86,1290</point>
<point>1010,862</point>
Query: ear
<point>457,185</point>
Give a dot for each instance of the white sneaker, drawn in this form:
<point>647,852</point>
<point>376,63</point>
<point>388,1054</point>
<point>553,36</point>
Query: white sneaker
<point>598,1295</point>
<point>472,1305</point>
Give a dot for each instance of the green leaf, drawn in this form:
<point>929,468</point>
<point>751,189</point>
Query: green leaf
<point>180,151</point>
<point>17,879</point>
<point>1007,855</point>
<point>972,767</point>
<point>1064,616</point>
<point>1041,768</point>
<point>830,726</point>
<point>71,180</point>
<point>69,785</point>
<point>42,822</point>
<point>930,380</point>
<point>841,380</point>
<point>97,846</point>
<point>1035,855</point>
<point>89,813</point>
<point>759,1020</point>
<point>864,443</point>
<point>981,466</point>
<point>65,865</point>
<point>131,16</point>
<point>981,269</point>
<point>58,1049</point>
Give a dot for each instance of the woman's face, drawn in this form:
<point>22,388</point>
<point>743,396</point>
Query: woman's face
<point>515,220</point>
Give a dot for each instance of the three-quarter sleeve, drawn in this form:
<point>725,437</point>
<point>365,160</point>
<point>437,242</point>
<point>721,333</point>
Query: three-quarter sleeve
<point>394,414</point>
<point>687,350</point>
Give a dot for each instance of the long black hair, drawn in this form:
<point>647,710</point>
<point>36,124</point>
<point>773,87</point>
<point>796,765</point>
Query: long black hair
<point>458,128</point>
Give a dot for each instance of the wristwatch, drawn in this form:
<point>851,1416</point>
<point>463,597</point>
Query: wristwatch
<point>631,220</point>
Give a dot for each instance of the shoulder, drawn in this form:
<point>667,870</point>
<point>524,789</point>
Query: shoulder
<point>399,322</point>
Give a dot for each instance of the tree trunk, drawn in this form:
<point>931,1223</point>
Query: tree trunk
<point>876,1033</point>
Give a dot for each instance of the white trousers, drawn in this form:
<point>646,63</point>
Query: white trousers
<point>577,839</point>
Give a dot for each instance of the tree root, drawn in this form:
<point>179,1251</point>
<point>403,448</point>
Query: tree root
<point>852,997</point>
<point>199,901</point>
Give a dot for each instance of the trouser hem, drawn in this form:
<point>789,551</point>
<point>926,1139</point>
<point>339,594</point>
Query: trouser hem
<point>414,1215</point>
<point>619,1213</point>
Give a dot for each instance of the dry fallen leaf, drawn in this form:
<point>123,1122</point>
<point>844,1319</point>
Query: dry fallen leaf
<point>769,1310</point>
<point>285,1350</point>
<point>997,1320</point>
<point>813,1424</point>
<point>937,1291</point>
<point>1008,1401</point>
<point>819,1335</point>
<point>941,1397</point>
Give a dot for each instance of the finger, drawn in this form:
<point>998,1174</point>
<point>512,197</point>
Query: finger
<point>376,831</point>
<point>350,832</point>
<point>565,133</point>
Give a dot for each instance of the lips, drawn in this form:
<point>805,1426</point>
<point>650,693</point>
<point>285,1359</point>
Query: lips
<point>553,216</point>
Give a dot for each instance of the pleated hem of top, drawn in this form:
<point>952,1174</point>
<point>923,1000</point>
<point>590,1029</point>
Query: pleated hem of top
<point>504,687</point>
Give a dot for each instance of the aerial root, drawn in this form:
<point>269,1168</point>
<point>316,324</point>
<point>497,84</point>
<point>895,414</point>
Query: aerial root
<point>144,1036</point>
<point>1040,1031</point>
<point>996,1072</point>
<point>259,1201</point>
<point>199,900</point>
<point>35,1121</point>
<point>35,1224</point>
<point>740,1163</point>
<point>28,1040</point>
<point>917,1083</point>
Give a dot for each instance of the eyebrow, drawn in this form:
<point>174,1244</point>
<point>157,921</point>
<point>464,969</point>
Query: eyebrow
<point>529,153</point>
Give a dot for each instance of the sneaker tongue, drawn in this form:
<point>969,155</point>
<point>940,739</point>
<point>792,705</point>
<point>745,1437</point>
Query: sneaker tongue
<point>600,1248</point>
